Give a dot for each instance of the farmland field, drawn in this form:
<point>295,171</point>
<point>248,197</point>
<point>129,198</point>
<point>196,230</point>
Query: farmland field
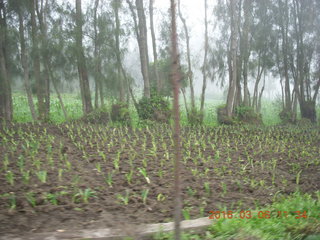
<point>77,175</point>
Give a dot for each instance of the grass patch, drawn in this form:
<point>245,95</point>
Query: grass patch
<point>288,226</point>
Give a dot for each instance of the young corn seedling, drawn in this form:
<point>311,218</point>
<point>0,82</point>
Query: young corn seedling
<point>11,199</point>
<point>125,198</point>
<point>191,192</point>
<point>116,161</point>
<point>144,195</point>
<point>42,176</point>
<point>52,198</point>
<point>83,195</point>
<point>207,188</point>
<point>26,177</point>
<point>274,165</point>
<point>224,189</point>
<point>5,162</point>
<point>98,167</point>
<point>298,177</point>
<point>60,173</point>
<point>161,197</point>
<point>10,178</point>
<point>129,176</point>
<point>143,172</point>
<point>20,163</point>
<point>186,213</point>
<point>109,179</point>
<point>31,199</point>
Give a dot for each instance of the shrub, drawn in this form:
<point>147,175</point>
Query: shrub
<point>242,115</point>
<point>155,108</point>
<point>98,116</point>
<point>247,114</point>
<point>120,113</point>
<point>287,116</point>
<point>222,115</point>
<point>195,117</point>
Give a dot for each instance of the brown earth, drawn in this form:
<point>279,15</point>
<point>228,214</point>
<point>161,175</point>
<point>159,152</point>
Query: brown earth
<point>243,167</point>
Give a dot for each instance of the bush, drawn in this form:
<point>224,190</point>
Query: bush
<point>287,117</point>
<point>223,117</point>
<point>98,116</point>
<point>242,115</point>
<point>120,113</point>
<point>155,108</point>
<point>195,117</point>
<point>247,114</point>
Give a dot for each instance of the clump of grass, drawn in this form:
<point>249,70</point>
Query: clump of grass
<point>290,227</point>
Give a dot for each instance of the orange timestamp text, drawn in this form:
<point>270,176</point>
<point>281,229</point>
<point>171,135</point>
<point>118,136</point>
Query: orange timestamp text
<point>256,214</point>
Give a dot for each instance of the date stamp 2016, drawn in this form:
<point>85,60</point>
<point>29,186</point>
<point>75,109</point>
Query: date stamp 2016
<point>257,214</point>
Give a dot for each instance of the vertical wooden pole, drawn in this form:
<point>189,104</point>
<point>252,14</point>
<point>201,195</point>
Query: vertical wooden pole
<point>176,113</point>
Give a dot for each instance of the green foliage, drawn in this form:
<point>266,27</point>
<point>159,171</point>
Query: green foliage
<point>97,116</point>
<point>287,116</point>
<point>222,115</point>
<point>245,114</point>
<point>155,108</point>
<point>285,227</point>
<point>195,117</point>
<point>120,113</point>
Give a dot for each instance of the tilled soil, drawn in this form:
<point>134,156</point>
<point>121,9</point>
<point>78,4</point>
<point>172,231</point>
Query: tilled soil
<point>77,176</point>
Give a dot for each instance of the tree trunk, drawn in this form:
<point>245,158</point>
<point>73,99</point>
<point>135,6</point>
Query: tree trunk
<point>144,47</point>
<point>190,73</point>
<point>45,56</point>
<point>176,132</point>
<point>6,110</point>
<point>245,49</point>
<point>117,35</point>
<point>36,64</point>
<point>82,68</point>
<point>96,53</point>
<point>233,78</point>
<point>204,66</point>
<point>154,47</point>
<point>283,12</point>
<point>25,66</point>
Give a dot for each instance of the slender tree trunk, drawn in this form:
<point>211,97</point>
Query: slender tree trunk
<point>6,109</point>
<point>233,78</point>
<point>96,53</point>
<point>185,101</point>
<point>44,53</point>
<point>154,47</point>
<point>190,73</point>
<point>245,49</point>
<point>117,35</point>
<point>25,66</point>
<point>144,47</point>
<point>284,19</point>
<point>176,134</point>
<point>54,83</point>
<point>204,66</point>
<point>36,64</point>
<point>82,68</point>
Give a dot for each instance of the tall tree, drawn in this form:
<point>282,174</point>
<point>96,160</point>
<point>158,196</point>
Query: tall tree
<point>24,60</point>
<point>204,66</point>
<point>154,47</point>
<point>116,7</point>
<point>6,110</point>
<point>190,73</point>
<point>231,99</point>
<point>40,86</point>
<point>142,42</point>
<point>81,62</point>
<point>176,132</point>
